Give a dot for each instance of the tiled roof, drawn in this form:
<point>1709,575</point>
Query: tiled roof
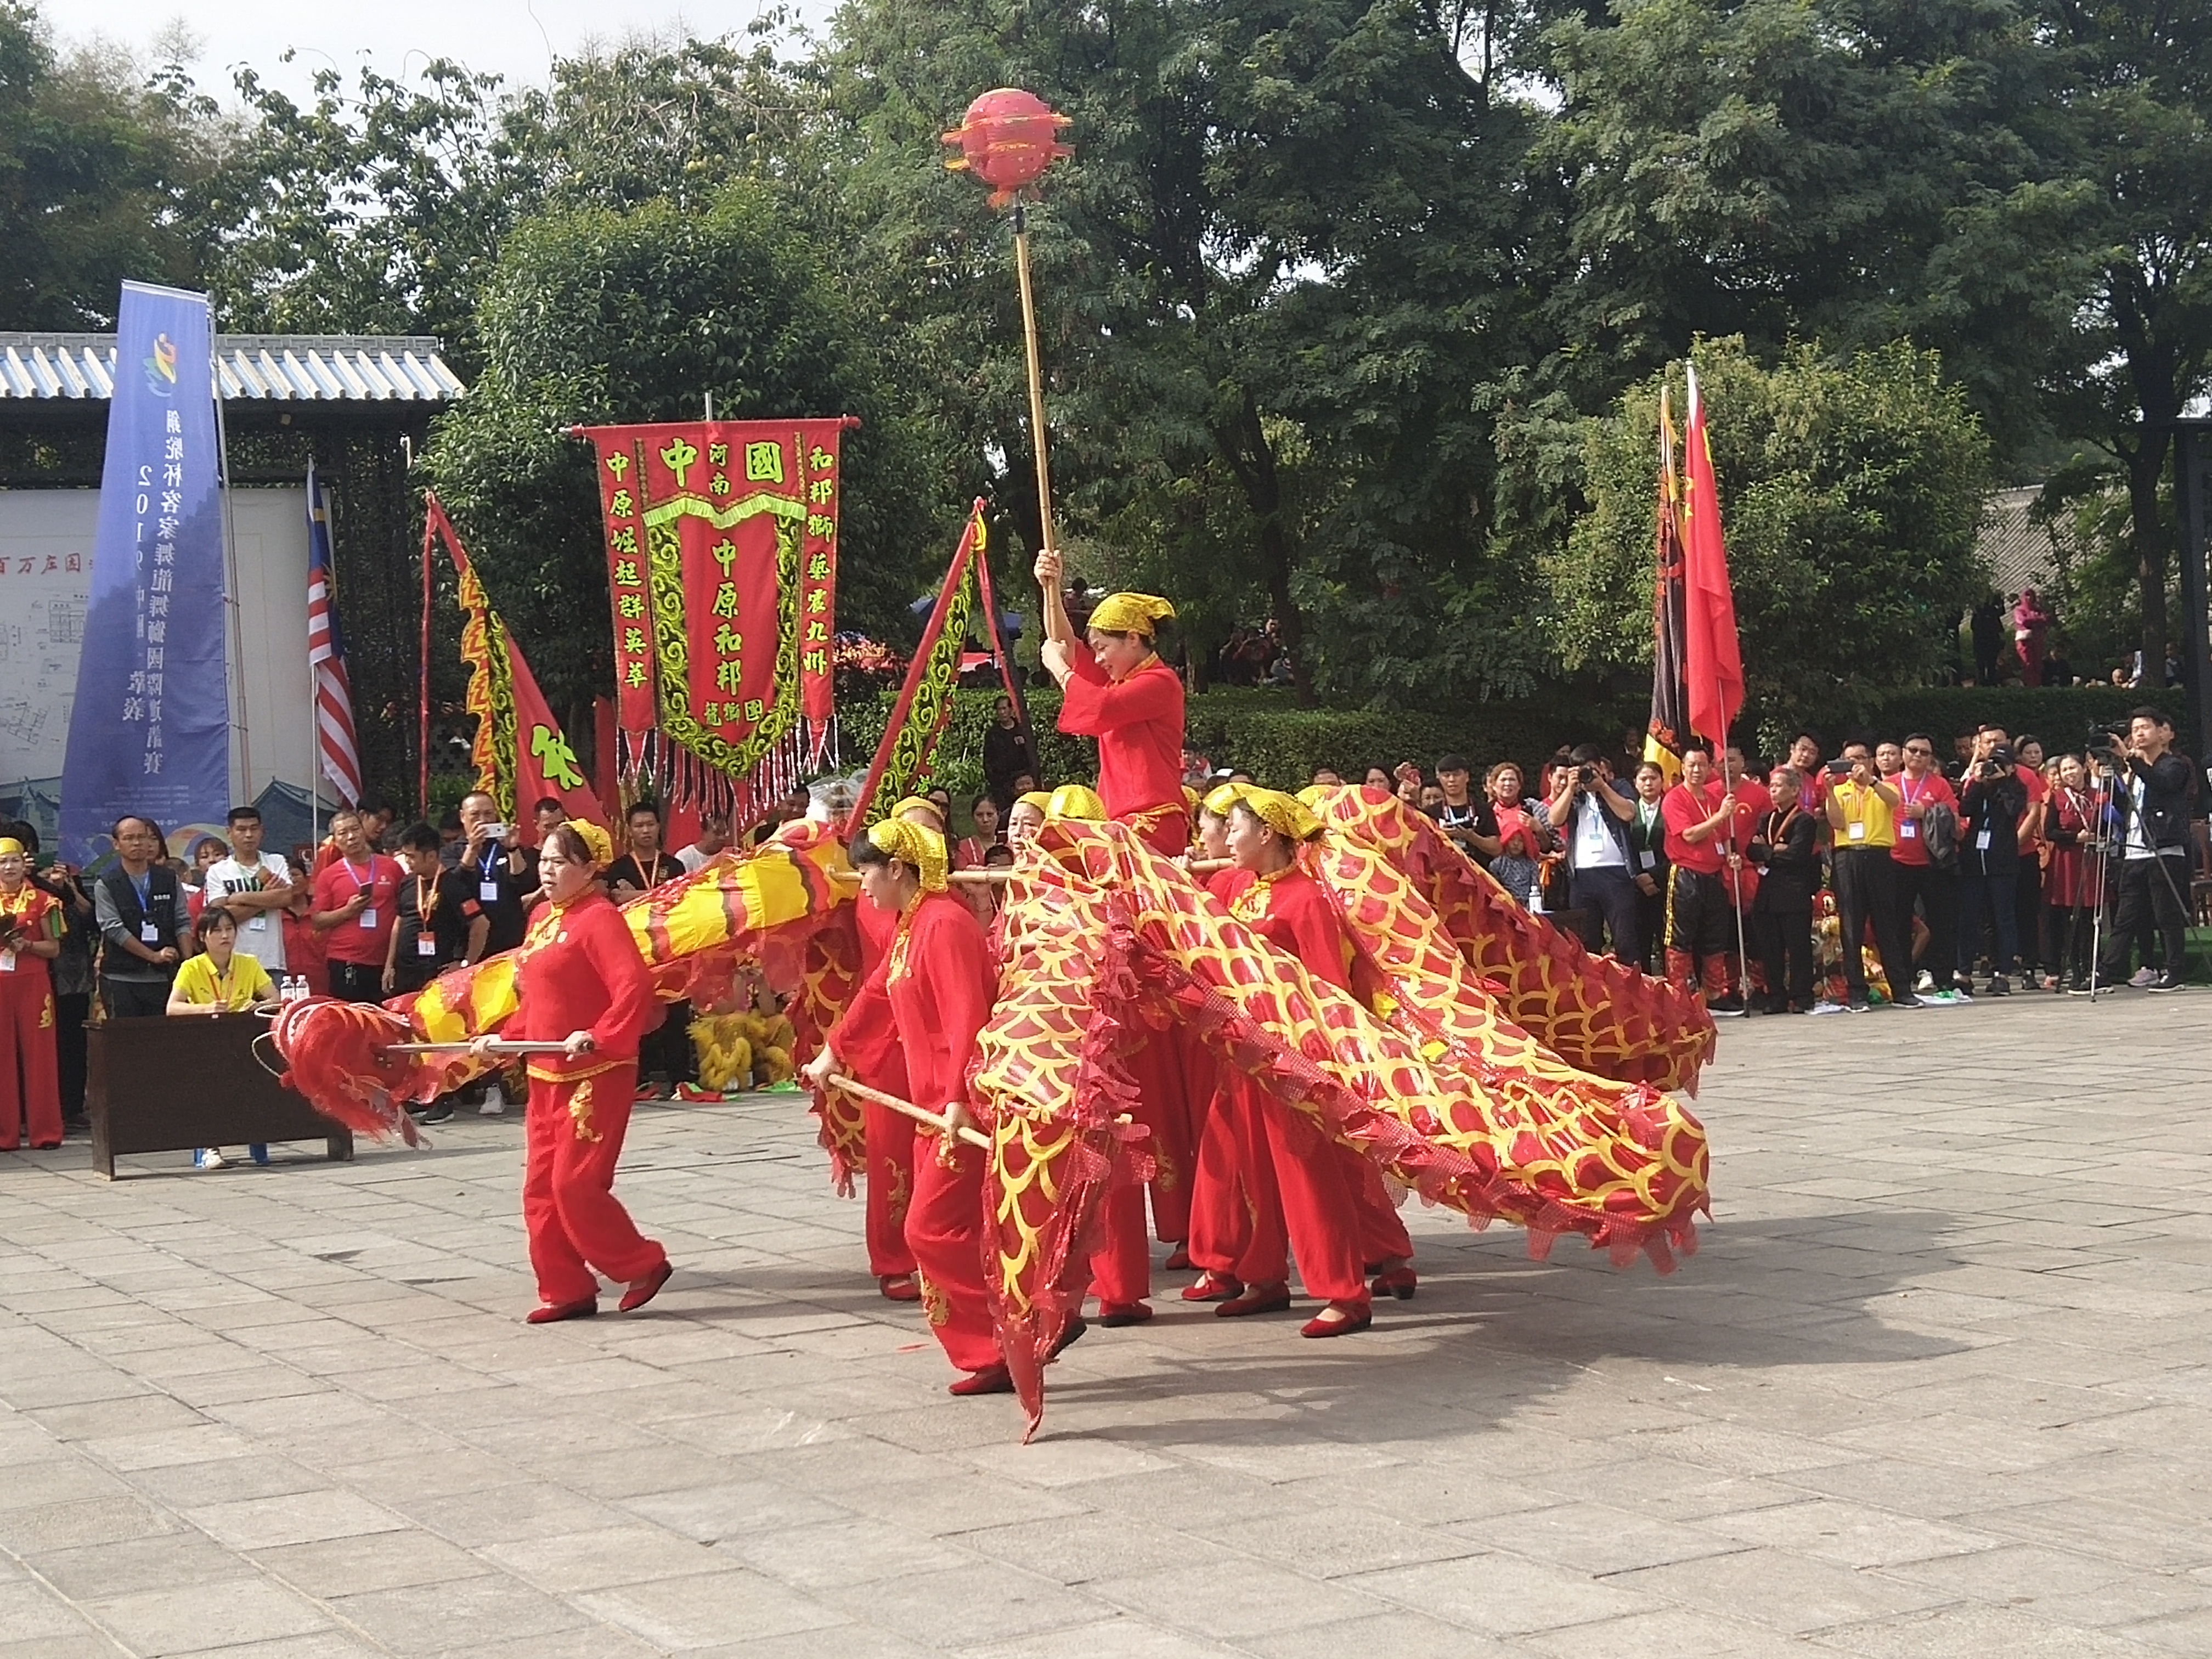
<point>253,367</point>
<point>2016,551</point>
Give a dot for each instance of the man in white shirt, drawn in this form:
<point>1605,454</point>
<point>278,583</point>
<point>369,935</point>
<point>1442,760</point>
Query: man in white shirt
<point>254,886</point>
<point>1602,884</point>
<point>714,836</point>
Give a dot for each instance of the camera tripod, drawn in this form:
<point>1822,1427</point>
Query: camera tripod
<point>2110,806</point>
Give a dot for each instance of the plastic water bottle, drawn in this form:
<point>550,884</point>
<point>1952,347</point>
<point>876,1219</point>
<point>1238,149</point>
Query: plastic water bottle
<point>294,988</point>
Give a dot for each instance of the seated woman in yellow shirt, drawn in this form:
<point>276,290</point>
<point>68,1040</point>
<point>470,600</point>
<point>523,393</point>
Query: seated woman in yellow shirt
<point>220,980</point>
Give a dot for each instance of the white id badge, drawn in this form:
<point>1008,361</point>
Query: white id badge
<point>1648,860</point>
<point>368,917</point>
<point>1908,829</point>
<point>7,962</point>
<point>1982,841</point>
<point>1858,832</point>
<point>488,892</point>
<point>425,945</point>
<point>148,933</point>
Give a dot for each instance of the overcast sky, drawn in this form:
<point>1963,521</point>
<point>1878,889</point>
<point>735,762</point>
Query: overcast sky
<point>514,38</point>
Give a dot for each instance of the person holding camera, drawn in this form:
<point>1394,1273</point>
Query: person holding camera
<point>1601,883</point>
<point>2154,785</point>
<point>1926,858</point>
<point>1787,851</point>
<point>1863,830</point>
<point>1990,809</point>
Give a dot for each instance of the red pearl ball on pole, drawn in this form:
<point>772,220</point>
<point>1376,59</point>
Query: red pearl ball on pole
<point>1007,139</point>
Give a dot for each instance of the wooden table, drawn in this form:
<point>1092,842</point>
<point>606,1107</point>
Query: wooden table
<point>171,1085</point>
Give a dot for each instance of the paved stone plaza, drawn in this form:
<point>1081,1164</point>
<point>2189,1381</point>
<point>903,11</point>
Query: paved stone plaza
<point>1936,1385</point>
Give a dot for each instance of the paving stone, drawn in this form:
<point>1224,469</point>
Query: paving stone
<point>1934,1387</point>
<point>196,1618</point>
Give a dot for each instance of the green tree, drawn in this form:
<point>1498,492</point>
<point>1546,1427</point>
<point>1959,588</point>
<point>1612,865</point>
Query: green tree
<point>96,163</point>
<point>1282,255</point>
<point>1850,495</point>
<point>2132,88</point>
<point>593,316</point>
<point>1853,170</point>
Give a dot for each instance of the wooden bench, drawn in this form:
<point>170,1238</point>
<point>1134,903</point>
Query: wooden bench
<point>171,1085</point>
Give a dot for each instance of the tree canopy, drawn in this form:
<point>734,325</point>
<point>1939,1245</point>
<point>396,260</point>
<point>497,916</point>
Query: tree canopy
<point>1350,307</point>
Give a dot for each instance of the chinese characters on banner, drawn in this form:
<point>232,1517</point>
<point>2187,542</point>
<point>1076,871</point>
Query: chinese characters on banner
<point>149,732</point>
<point>722,572</point>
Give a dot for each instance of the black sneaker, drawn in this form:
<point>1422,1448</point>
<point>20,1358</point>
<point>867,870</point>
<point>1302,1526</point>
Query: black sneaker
<point>436,1112</point>
<point>2000,986</point>
<point>2165,983</point>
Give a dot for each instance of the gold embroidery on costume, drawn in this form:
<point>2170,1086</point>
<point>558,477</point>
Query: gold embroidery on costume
<point>580,1111</point>
<point>47,1014</point>
<point>900,1194</point>
<point>936,1306</point>
<point>1164,1170</point>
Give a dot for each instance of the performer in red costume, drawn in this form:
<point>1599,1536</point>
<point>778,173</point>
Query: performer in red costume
<point>936,977</point>
<point>869,1044</point>
<point>30,938</point>
<point>580,982</point>
<point>1114,688</point>
<point>1220,1212</point>
<point>1307,1195</point>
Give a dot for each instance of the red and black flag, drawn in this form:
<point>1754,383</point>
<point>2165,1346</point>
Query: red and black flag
<point>1669,727</point>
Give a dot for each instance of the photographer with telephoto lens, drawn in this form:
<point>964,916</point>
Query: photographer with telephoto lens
<point>2153,795</point>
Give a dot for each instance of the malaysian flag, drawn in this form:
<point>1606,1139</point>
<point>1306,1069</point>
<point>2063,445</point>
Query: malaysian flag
<point>334,741</point>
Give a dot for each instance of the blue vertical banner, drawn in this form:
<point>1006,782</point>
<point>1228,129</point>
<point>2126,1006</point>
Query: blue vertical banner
<point>150,730</point>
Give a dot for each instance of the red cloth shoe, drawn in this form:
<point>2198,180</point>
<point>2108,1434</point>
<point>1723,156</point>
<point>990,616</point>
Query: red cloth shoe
<point>550,1313</point>
<point>1178,1260</point>
<point>899,1287</point>
<point>1257,1299</point>
<point>647,1092</point>
<point>1212,1287</point>
<point>992,1379</point>
<point>1358,1316</point>
<point>642,1291</point>
<point>1115,1314</point>
<point>693,1094</point>
<point>1399,1282</point>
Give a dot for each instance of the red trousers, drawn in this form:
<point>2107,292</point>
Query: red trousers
<point>30,1076</point>
<point>577,1225</point>
<point>1221,1205</point>
<point>944,1231</point>
<point>1173,1074</point>
<point>1304,1199</point>
<point>890,1190</point>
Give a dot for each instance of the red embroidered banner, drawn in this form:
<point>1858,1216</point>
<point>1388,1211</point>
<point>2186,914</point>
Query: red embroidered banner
<point>722,574</point>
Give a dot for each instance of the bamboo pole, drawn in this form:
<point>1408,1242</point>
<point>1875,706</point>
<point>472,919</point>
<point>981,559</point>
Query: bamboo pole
<point>1036,380</point>
<point>907,1108</point>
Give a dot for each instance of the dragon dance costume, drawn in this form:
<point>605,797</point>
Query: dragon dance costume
<point>1138,721</point>
<point>578,970</point>
<point>1301,1192</point>
<point>937,980</point>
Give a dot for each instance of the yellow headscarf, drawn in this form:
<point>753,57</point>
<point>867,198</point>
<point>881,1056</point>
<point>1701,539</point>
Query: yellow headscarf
<point>597,842</point>
<point>1075,800</point>
<point>1222,797</point>
<point>1315,793</point>
<point>915,844</point>
<point>10,848</point>
<point>1039,799</point>
<point>926,804</point>
<point>1131,613</point>
<point>1281,813</point>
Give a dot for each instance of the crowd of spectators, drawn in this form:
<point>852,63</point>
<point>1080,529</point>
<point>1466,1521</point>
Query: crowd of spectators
<point>1915,877</point>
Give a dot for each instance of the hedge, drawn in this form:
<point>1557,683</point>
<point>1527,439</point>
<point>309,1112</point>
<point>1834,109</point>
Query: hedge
<point>1282,745</point>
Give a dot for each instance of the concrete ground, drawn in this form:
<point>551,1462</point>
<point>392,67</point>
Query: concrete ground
<point>1937,1384</point>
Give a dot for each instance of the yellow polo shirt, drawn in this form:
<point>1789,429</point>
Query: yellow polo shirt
<point>1868,820</point>
<point>245,984</point>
